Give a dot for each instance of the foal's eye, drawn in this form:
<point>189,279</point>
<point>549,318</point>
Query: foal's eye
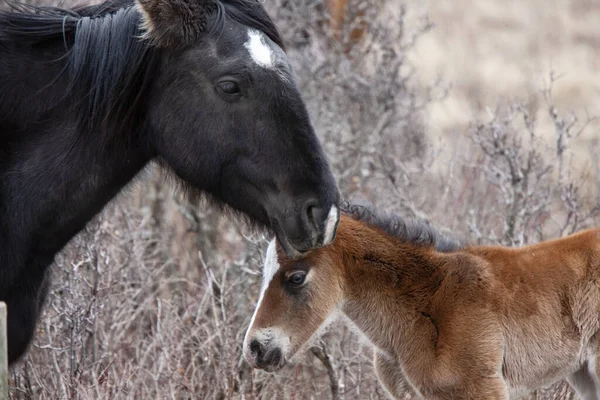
<point>229,87</point>
<point>297,278</point>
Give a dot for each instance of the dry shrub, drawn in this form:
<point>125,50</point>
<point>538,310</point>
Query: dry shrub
<point>153,299</point>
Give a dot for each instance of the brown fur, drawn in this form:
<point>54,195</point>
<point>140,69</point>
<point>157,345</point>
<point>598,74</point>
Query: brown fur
<point>475,323</point>
<point>339,18</point>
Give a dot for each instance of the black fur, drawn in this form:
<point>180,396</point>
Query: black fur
<point>86,103</point>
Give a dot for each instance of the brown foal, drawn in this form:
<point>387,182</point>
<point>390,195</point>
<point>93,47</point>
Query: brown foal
<point>446,322</point>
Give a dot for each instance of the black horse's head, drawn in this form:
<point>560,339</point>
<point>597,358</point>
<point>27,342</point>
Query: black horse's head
<point>227,117</point>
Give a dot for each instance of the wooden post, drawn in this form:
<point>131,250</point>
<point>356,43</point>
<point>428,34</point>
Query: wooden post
<point>3,354</point>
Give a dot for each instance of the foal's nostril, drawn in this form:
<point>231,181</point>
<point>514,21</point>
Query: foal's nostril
<point>256,348</point>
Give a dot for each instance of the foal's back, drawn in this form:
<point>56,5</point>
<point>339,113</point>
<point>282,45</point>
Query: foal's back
<point>547,299</point>
<point>578,253</point>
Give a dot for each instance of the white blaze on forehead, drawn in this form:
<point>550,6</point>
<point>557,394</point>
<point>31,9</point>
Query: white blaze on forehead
<point>331,224</point>
<point>259,50</point>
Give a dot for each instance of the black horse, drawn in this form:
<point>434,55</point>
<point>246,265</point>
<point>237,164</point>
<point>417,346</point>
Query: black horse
<point>89,96</point>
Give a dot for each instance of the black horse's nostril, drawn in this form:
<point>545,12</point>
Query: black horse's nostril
<point>311,212</point>
<point>315,215</point>
<point>257,349</point>
<point>318,215</point>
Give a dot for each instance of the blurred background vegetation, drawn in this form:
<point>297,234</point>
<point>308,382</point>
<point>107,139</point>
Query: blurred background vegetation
<point>477,116</point>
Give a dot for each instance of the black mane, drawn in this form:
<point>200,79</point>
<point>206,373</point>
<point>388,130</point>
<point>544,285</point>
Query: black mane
<point>106,61</point>
<point>414,231</point>
<point>40,23</point>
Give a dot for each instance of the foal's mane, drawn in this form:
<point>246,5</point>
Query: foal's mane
<point>415,231</point>
<point>106,62</point>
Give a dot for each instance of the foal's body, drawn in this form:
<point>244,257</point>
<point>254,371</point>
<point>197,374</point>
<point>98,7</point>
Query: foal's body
<point>471,323</point>
<point>490,322</point>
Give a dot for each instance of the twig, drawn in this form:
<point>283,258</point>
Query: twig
<point>321,354</point>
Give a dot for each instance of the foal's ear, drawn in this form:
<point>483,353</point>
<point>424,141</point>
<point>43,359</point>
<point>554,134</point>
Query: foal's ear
<point>175,22</point>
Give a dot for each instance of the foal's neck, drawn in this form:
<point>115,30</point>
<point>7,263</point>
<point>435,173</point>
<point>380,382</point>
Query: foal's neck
<point>389,285</point>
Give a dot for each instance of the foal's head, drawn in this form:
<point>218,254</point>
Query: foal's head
<point>298,297</point>
<point>373,252</point>
<point>227,117</point>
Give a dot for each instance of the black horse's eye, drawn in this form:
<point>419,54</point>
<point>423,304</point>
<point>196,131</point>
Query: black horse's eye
<point>297,278</point>
<point>230,87</point>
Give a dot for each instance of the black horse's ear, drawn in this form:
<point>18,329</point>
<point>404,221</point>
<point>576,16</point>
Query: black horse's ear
<point>169,23</point>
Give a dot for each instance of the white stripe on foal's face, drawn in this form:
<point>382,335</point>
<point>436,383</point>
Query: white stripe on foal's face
<point>269,270</point>
<point>259,50</point>
<point>272,335</point>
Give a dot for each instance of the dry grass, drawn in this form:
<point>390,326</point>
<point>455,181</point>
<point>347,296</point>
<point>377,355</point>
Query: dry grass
<point>153,300</point>
<point>492,52</point>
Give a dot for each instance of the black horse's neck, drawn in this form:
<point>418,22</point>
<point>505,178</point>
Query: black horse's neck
<point>71,119</point>
<point>50,187</point>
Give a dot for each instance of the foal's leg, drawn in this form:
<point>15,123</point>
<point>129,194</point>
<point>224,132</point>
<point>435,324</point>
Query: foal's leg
<point>586,380</point>
<point>492,389</point>
<point>23,309</point>
<point>584,384</point>
<point>390,376</point>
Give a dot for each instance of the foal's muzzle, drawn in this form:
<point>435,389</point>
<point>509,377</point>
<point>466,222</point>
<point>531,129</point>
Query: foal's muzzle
<point>262,357</point>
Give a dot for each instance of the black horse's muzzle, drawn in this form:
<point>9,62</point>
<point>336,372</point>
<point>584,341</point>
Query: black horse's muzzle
<point>313,226</point>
